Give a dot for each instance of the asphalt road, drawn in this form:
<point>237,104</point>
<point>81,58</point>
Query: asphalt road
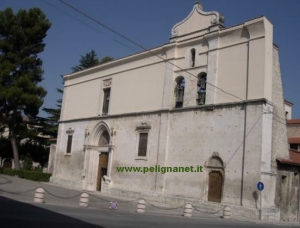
<point>17,214</point>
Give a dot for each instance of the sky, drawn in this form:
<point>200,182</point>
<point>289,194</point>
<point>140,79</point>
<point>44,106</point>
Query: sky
<point>149,24</point>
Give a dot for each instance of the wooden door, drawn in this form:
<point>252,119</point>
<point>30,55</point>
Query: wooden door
<point>215,186</point>
<point>102,168</point>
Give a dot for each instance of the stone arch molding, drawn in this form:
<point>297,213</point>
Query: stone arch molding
<point>215,162</point>
<point>99,129</point>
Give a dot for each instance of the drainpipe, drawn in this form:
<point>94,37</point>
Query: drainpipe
<point>158,144</point>
<point>162,102</point>
<point>298,214</point>
<point>245,128</point>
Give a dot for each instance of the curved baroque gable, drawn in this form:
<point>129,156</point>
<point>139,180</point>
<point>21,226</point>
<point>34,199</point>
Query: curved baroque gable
<point>197,20</point>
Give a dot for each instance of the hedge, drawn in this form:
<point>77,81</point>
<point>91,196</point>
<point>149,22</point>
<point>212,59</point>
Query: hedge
<point>29,175</point>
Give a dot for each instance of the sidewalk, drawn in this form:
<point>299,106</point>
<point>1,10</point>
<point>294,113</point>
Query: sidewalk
<point>23,190</point>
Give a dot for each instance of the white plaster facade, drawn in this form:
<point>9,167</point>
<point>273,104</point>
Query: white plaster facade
<point>288,109</point>
<point>236,125</point>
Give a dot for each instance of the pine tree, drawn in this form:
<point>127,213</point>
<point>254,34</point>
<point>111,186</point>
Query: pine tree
<point>106,59</point>
<point>50,124</point>
<point>21,40</point>
<point>88,60</point>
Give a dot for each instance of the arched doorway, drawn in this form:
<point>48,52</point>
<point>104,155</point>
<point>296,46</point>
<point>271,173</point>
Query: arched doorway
<point>215,179</point>
<point>103,158</point>
<point>98,156</point>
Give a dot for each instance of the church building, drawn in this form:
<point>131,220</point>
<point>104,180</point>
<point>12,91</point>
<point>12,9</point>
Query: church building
<point>207,108</point>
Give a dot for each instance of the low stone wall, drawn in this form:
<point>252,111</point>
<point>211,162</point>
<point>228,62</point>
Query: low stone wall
<point>268,214</point>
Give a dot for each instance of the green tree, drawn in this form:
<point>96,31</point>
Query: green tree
<point>106,59</point>
<point>27,162</point>
<point>86,61</point>
<point>50,124</point>
<point>21,40</point>
<point>36,151</point>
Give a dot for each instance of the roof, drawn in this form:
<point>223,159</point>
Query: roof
<point>288,102</point>
<point>294,140</point>
<point>236,25</point>
<point>295,155</point>
<point>293,160</point>
<point>293,121</point>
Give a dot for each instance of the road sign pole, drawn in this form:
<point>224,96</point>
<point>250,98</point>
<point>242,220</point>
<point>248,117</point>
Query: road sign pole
<point>260,205</point>
<point>260,187</point>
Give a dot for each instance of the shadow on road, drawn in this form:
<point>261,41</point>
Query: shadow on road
<point>4,180</point>
<point>17,214</point>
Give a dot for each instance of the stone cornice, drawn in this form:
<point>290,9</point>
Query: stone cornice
<point>208,107</point>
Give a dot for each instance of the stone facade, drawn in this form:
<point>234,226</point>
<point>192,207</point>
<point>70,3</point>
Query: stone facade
<point>233,134</point>
<point>287,178</point>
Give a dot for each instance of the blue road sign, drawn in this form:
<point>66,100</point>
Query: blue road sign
<point>260,186</point>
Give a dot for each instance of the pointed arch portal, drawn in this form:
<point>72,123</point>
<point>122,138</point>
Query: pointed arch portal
<point>98,157</point>
<point>103,157</point>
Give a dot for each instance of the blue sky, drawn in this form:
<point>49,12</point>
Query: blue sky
<point>149,23</point>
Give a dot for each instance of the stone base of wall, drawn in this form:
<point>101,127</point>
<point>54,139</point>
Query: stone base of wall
<point>268,214</point>
<point>66,183</point>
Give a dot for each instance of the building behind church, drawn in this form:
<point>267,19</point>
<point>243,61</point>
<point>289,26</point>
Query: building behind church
<point>211,97</point>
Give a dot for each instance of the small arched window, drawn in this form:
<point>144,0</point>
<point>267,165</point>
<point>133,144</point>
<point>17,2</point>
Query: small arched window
<point>192,58</point>
<point>201,88</point>
<point>179,92</point>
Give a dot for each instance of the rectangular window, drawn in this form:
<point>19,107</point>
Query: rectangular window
<point>106,101</point>
<point>69,143</point>
<point>143,144</point>
<point>294,146</point>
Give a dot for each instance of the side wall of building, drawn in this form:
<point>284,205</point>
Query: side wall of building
<point>279,137</point>
<point>68,167</point>
<point>287,179</point>
<point>288,185</point>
